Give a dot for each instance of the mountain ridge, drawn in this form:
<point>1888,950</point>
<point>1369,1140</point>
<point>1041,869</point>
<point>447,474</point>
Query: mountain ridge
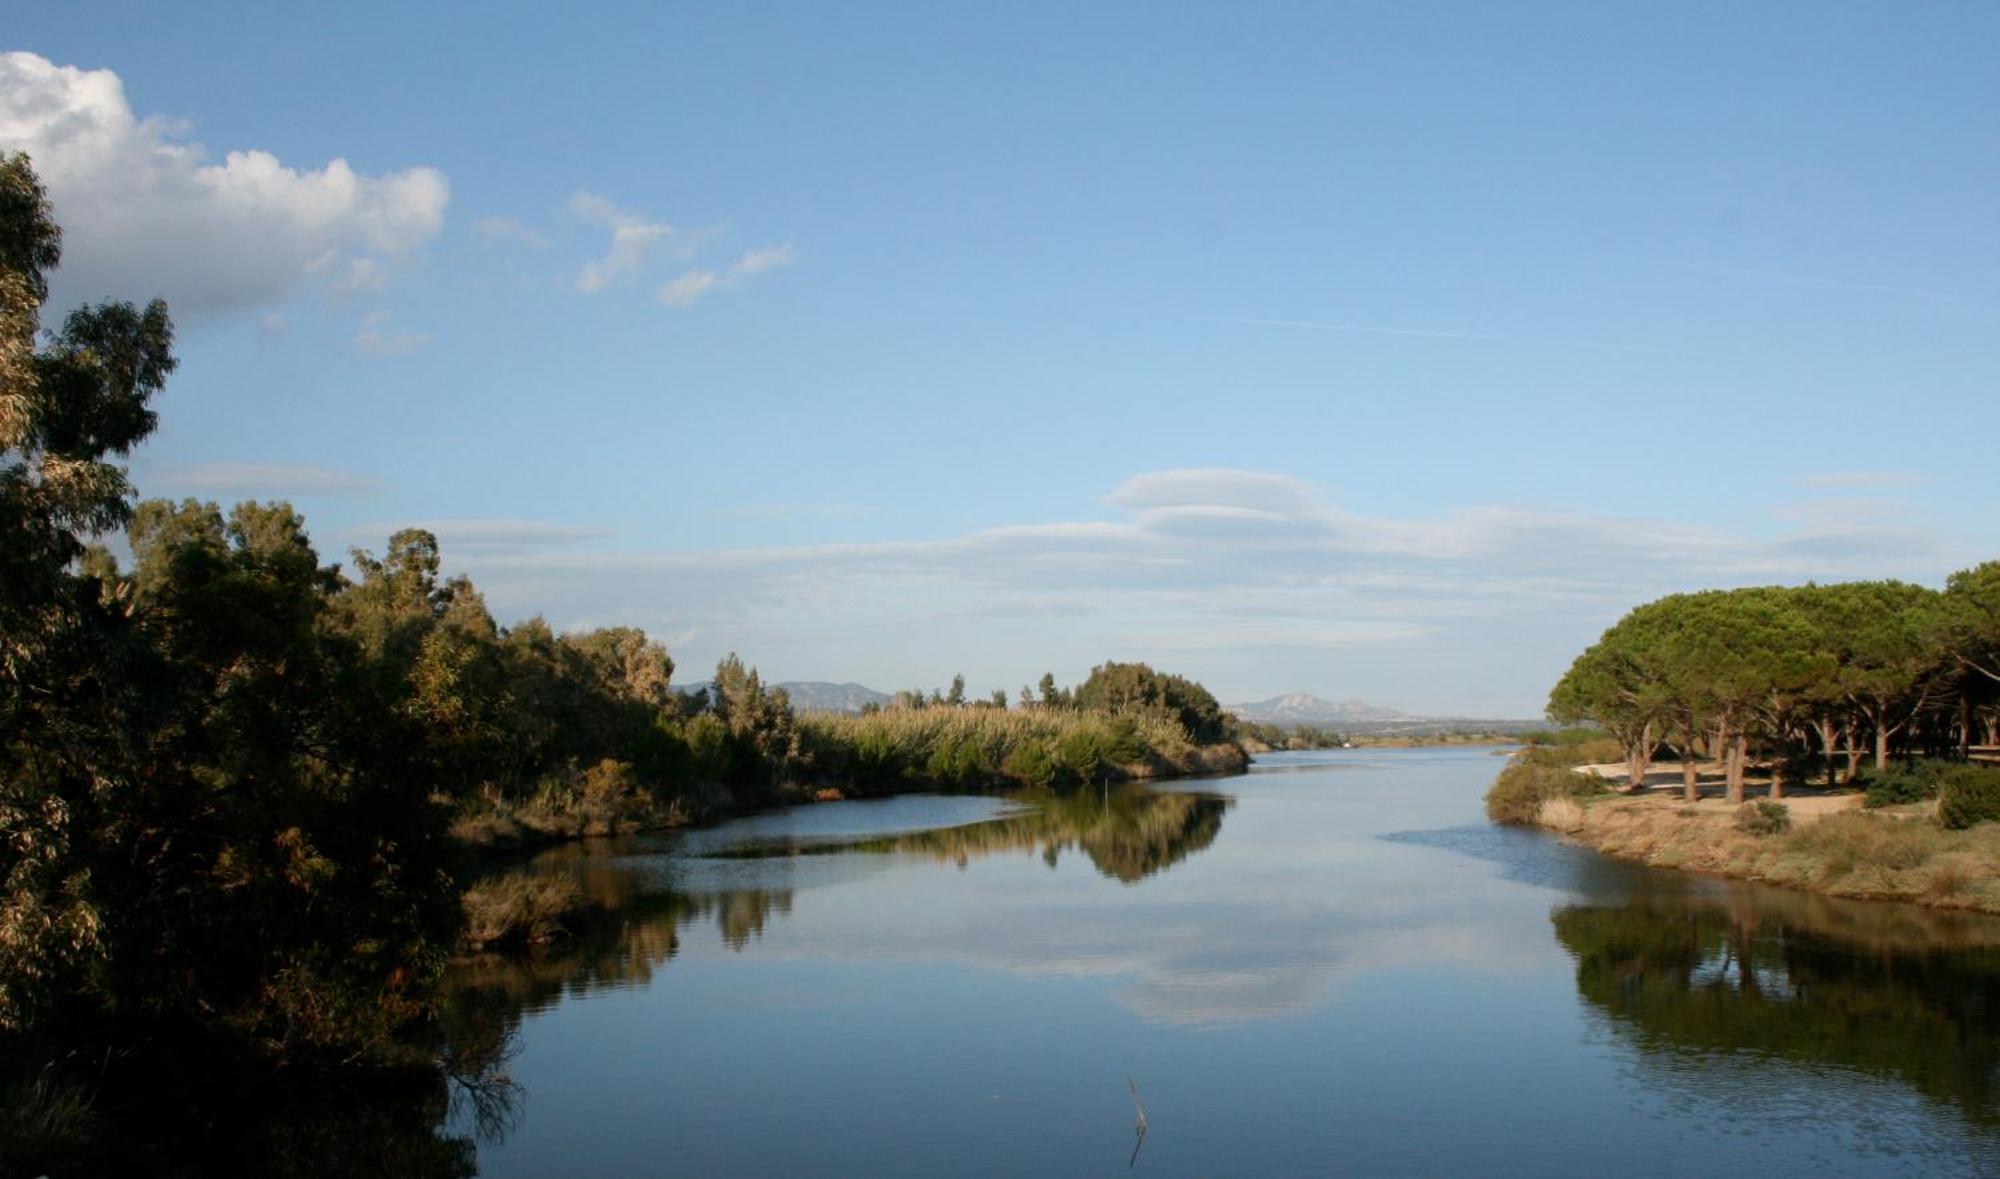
<point>1355,715</point>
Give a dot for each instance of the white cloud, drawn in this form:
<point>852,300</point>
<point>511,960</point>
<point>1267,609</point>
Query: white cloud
<point>361,274</point>
<point>634,240</point>
<point>257,480</point>
<point>693,284</point>
<point>1215,486</point>
<point>759,260</point>
<point>378,338</point>
<point>145,212</point>
<point>688,287</point>
<point>1250,579</point>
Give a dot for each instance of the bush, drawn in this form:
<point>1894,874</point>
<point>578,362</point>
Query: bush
<point>1764,817</point>
<point>1521,790</point>
<point>1034,764</point>
<point>1569,736</point>
<point>523,909</point>
<point>1904,782</point>
<point>1968,795</point>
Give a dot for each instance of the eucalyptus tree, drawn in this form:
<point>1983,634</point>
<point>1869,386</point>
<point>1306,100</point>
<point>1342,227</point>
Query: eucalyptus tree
<point>68,409</point>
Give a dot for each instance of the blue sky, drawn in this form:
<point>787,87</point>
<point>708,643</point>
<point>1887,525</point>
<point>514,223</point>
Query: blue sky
<point>1372,350</point>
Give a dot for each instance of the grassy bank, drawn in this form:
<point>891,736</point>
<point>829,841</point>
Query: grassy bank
<point>898,751</point>
<point>979,749</point>
<point>1828,844</point>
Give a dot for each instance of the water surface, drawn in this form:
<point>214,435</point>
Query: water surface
<point>1330,965</point>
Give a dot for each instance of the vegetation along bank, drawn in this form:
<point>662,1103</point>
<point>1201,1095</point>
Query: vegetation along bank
<point>1865,716</point>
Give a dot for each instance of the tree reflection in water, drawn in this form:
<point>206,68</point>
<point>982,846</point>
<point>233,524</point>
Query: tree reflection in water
<point>1128,834</point>
<point>635,921</point>
<point>1888,990</point>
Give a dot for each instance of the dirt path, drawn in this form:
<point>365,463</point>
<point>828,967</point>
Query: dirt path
<point>1808,804</point>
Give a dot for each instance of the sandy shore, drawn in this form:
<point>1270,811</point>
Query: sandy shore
<point>1808,804</point>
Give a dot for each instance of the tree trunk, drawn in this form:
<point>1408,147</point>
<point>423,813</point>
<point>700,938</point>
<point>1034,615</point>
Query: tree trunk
<point>1638,757</point>
<point>1734,753</point>
<point>1881,746</point>
<point>1827,730</point>
<point>1690,784</point>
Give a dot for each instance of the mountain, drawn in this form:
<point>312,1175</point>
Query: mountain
<point>812,695</point>
<point>1359,716</point>
<point>820,696</point>
<point>1303,708</point>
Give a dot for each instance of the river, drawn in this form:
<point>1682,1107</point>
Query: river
<point>1331,965</point>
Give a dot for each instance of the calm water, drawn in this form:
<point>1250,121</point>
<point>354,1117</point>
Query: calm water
<point>1331,965</point>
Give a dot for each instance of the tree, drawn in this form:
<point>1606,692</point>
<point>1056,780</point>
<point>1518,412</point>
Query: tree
<point>1137,688</point>
<point>1892,649</point>
<point>1613,686</point>
<point>65,411</point>
<point>208,830</point>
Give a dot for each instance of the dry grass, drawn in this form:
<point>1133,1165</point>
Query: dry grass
<point>1849,853</point>
<point>521,909</point>
<point>45,1124</point>
<point>1563,814</point>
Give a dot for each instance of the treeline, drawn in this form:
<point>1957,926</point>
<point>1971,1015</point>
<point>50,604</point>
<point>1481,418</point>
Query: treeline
<point>1117,689</point>
<point>1815,678</point>
<point>1290,737</point>
<point>231,772</point>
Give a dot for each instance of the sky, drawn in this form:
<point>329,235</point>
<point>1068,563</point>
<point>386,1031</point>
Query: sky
<point>1387,351</point>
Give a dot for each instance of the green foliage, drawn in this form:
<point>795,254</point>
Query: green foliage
<point>1033,763</point>
<point>1722,673</point>
<point>1572,736</point>
<point>1534,778</point>
<point>1764,817</point>
<point>1289,737</point>
<point>1968,795</point>
<point>1138,689</point>
<point>1904,782</point>
<point>974,748</point>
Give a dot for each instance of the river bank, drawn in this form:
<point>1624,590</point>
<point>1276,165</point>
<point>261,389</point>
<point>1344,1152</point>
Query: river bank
<point>511,912</point>
<point>1821,841</point>
<point>497,825</point>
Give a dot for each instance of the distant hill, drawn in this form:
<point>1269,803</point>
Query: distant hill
<point>1303,708</point>
<point>813,695</point>
<point>1359,716</point>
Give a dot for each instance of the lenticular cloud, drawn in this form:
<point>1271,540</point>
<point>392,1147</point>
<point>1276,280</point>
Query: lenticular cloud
<point>145,212</point>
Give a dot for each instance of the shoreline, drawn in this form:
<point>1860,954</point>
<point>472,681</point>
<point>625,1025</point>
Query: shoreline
<point>1830,845</point>
<point>505,835</point>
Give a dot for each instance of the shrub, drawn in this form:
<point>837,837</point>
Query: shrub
<point>521,909</point>
<point>45,1123</point>
<point>1034,764</point>
<point>1527,783</point>
<point>1764,817</point>
<point>1905,783</point>
<point>1968,795</point>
